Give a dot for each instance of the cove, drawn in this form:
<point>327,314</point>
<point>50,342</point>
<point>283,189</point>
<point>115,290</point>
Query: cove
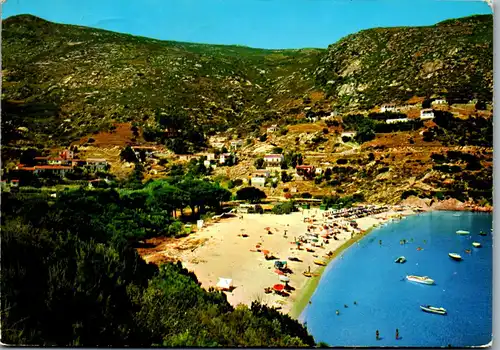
<point>366,274</point>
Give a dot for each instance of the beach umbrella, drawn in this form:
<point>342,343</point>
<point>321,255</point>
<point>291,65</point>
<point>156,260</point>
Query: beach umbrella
<point>279,272</point>
<point>284,279</point>
<point>265,252</point>
<point>278,287</point>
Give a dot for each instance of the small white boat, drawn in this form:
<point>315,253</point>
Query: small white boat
<point>434,310</point>
<point>420,279</point>
<point>455,256</point>
<point>462,232</point>
<point>476,244</point>
<point>400,260</point>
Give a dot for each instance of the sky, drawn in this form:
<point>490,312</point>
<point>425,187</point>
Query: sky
<point>271,24</point>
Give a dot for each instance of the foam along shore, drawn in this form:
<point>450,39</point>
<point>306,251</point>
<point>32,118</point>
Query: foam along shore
<point>235,249</point>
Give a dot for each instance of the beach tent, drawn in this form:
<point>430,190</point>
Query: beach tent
<point>224,283</point>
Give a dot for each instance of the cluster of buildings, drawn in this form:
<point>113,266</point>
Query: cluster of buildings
<point>219,142</point>
<point>211,160</point>
<point>272,163</point>
<point>60,166</point>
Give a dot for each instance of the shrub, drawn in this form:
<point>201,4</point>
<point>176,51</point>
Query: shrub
<point>306,195</point>
<point>283,131</point>
<point>259,163</point>
<point>284,208</point>
<point>408,193</point>
<point>251,194</point>
<point>438,158</point>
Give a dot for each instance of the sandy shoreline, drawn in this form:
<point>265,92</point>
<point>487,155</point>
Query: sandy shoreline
<point>220,250</point>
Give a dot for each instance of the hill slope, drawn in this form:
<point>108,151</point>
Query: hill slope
<point>453,58</point>
<point>63,81</point>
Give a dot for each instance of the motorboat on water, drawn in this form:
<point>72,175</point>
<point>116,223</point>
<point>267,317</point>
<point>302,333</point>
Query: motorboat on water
<point>420,279</point>
<point>400,260</point>
<point>455,256</point>
<point>476,244</point>
<point>482,233</point>
<point>433,309</point>
<point>463,232</point>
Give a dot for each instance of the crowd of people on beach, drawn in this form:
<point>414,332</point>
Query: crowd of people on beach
<point>323,226</point>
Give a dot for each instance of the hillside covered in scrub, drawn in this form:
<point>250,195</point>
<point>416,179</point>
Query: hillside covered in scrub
<point>61,82</point>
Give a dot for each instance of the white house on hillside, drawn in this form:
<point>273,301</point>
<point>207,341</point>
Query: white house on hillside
<point>439,101</point>
<point>272,128</point>
<point>388,108</point>
<point>348,134</point>
<point>426,114</point>
<point>273,160</point>
<point>397,120</point>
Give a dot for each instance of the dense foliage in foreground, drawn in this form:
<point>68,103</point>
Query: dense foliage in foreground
<point>71,277</point>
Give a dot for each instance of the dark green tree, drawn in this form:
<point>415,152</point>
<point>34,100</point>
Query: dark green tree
<point>251,194</point>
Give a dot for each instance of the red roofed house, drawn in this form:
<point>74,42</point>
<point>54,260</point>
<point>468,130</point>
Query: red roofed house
<point>273,160</point>
<point>67,154</point>
<point>305,170</point>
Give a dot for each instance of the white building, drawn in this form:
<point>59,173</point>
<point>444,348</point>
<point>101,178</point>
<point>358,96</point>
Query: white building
<point>261,173</point>
<point>349,134</point>
<point>258,181</point>
<point>272,128</point>
<point>273,160</point>
<point>236,144</point>
<point>389,108</point>
<point>224,157</point>
<point>426,114</point>
<point>397,120</point>
<point>439,101</point>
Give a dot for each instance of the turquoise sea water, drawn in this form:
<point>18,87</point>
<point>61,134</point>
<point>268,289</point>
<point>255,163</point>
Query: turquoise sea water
<point>366,273</point>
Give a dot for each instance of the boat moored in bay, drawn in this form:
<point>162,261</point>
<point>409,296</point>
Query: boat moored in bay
<point>433,309</point>
<point>476,244</point>
<point>400,260</point>
<point>420,279</point>
<point>462,232</point>
<point>455,256</point>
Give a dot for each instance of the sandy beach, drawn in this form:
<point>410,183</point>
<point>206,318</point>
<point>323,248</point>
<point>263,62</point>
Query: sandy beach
<point>220,250</point>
